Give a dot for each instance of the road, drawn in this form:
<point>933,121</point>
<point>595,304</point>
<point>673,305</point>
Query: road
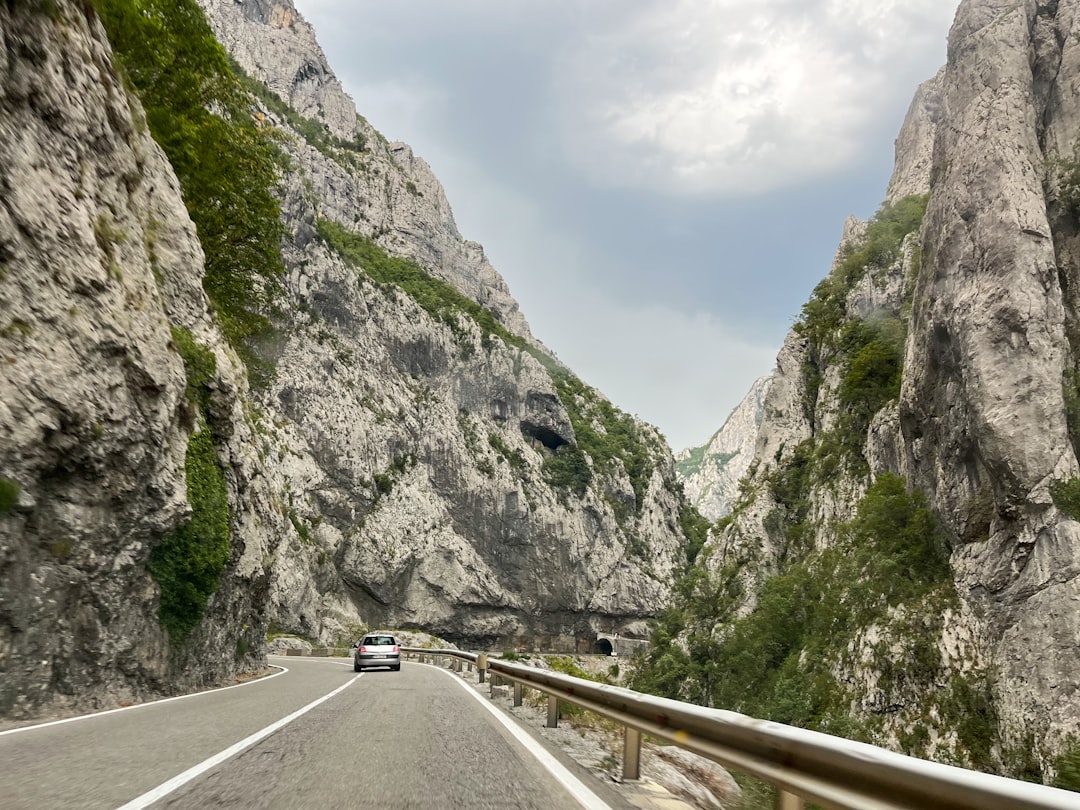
<point>317,735</point>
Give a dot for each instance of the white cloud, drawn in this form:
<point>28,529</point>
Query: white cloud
<point>710,97</point>
<point>682,372</point>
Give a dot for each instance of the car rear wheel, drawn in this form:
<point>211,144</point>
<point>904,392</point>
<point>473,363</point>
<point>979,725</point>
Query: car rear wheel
<point>397,668</point>
<point>355,667</point>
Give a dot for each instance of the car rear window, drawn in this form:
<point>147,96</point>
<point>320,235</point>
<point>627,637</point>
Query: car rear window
<point>377,641</point>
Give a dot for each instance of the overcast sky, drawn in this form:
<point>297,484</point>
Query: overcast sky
<point>661,182</point>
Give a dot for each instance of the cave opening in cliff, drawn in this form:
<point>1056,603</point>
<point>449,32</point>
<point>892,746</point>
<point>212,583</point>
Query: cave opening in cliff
<point>546,436</point>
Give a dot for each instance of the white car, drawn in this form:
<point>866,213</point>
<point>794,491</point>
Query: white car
<point>377,650</point>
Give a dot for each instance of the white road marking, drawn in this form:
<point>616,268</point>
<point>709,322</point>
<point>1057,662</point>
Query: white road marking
<point>144,705</point>
<point>165,788</point>
<point>578,789</point>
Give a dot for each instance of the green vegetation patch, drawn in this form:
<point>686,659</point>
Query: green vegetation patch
<point>824,315</point>
<point>346,153</point>
<point>1067,766</point>
<point>200,365</point>
<point>695,528</point>
<point>188,564</point>
<point>200,114</point>
<point>439,299</point>
<point>511,455</point>
<point>9,495</point>
<point>776,661</point>
<point>1066,496</point>
<point>604,434</point>
<point>567,468</point>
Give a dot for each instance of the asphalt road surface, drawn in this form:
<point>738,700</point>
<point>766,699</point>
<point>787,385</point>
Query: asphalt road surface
<point>318,735</point>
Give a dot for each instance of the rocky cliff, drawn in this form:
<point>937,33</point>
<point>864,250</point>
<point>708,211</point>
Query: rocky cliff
<point>902,566</point>
<point>711,473</point>
<point>405,454</point>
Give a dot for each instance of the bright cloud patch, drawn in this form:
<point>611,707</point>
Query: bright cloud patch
<point>724,96</point>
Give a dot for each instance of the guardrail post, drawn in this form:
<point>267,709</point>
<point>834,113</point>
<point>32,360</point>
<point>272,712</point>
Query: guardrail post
<point>481,666</point>
<point>631,754</point>
<point>519,691</point>
<point>553,712</point>
<point>789,801</point>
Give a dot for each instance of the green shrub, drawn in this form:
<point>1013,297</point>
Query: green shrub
<point>200,364</point>
<point>511,455</point>
<point>873,364</point>
<point>188,564</point>
<point>1067,766</point>
<point>1070,389</point>
<point>9,495</point>
<point>567,468</point>
<point>825,313</point>
<point>1066,496</point>
<point>776,661</point>
<point>695,528</point>
<point>200,115</point>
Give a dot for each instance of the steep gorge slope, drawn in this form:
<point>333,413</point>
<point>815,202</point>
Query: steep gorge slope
<point>903,566</point>
<point>407,454</point>
<point>711,473</point>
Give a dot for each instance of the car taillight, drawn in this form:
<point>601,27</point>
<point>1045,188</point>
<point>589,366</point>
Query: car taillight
<point>395,648</point>
<point>363,649</point>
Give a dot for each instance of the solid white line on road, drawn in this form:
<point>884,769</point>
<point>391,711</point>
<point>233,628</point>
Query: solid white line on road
<point>585,797</point>
<point>165,788</point>
<point>283,670</point>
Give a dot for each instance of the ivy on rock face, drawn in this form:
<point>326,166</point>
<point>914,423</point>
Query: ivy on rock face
<point>201,116</point>
<point>188,564</point>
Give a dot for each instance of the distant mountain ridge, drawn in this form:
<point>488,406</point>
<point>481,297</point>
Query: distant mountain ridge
<point>711,472</point>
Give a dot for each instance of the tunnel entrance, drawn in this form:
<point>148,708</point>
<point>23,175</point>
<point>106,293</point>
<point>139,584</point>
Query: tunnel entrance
<point>603,647</point>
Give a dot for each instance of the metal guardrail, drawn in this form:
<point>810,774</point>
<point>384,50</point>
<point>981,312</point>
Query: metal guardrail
<point>803,765</point>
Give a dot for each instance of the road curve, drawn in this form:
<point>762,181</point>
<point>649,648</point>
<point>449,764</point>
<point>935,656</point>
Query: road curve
<point>409,739</point>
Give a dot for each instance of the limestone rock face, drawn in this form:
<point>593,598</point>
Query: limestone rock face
<point>413,449</point>
<point>983,410</point>
<point>394,198</point>
<point>711,473</point>
<point>984,424</point>
<point>407,464</point>
<point>915,143</point>
<point>98,260</point>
